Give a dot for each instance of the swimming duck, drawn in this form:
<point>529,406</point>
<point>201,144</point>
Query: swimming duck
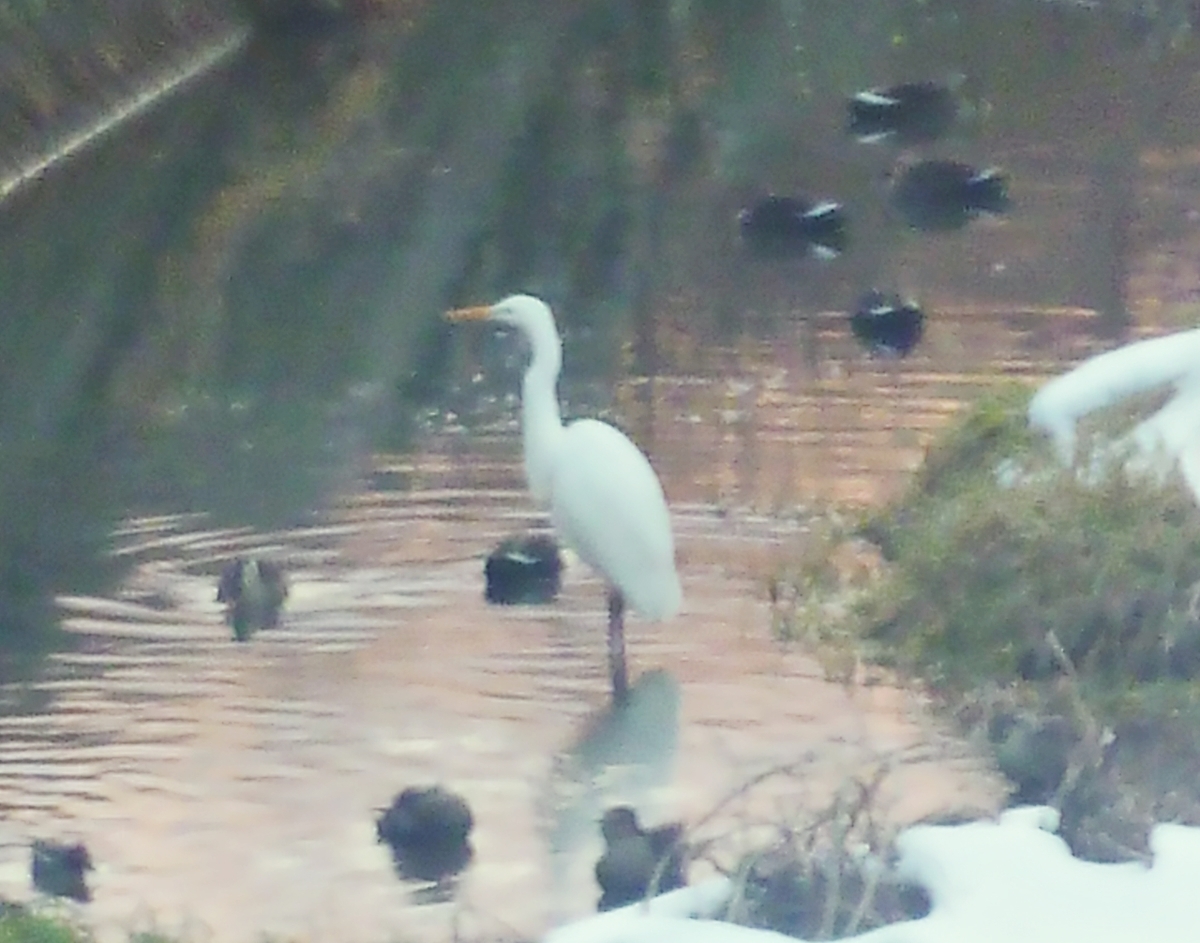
<point>887,324</point>
<point>523,569</point>
<point>909,113</point>
<point>427,829</point>
<point>253,591</point>
<point>60,869</point>
<point>632,856</point>
<point>793,226</point>
<point>944,194</point>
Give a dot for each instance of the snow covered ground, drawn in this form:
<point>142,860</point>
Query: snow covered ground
<point>1011,880</point>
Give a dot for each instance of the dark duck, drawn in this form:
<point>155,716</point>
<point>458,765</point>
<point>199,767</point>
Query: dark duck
<point>634,857</point>
<point>60,869</point>
<point>908,113</point>
<point>939,195</point>
<point>887,324</point>
<point>525,569</point>
<point>778,227</point>
<point>253,591</point>
<point>427,829</point>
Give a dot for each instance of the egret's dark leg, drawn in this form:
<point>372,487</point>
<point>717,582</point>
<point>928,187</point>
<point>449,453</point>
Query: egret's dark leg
<point>616,646</point>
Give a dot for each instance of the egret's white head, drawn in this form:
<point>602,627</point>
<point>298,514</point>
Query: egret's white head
<point>540,415</point>
<point>525,312</point>
<point>530,315</point>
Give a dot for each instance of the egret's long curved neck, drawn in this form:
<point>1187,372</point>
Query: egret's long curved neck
<point>541,419</point>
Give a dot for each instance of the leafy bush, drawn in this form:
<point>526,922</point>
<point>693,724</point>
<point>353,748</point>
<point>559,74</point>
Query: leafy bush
<point>995,548</point>
<point>20,925</point>
<point>1055,612</point>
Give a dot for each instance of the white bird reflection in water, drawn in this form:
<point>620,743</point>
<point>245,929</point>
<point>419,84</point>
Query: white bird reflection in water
<point>158,738</point>
<point>625,755</point>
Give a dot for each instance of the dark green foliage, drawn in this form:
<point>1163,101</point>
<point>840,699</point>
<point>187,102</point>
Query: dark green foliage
<point>299,16</point>
<point>790,895</point>
<point>984,571</point>
<point>826,877</point>
<point>20,925</point>
<point>1060,618</point>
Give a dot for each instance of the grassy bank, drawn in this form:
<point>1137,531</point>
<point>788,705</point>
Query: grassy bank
<point>22,925</point>
<point>1057,621</point>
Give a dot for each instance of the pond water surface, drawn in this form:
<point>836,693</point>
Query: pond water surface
<point>229,343</point>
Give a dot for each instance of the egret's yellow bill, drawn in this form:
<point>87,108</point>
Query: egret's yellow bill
<point>475,313</point>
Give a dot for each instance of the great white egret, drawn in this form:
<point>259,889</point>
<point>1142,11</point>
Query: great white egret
<point>605,501</point>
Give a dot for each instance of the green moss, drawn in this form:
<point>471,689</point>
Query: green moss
<point>19,925</point>
<point>983,571</point>
<point>1058,620</point>
<point>967,453</point>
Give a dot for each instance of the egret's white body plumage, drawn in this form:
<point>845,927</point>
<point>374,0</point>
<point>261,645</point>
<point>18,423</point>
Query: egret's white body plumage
<point>1110,377</point>
<point>1164,440</point>
<point>607,504</point>
<point>604,499</point>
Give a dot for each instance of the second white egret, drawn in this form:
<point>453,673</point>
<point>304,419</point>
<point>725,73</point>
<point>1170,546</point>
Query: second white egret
<point>604,498</point>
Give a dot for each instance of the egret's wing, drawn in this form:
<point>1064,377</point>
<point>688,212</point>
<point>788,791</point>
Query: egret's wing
<point>608,505</point>
<point>1108,378</point>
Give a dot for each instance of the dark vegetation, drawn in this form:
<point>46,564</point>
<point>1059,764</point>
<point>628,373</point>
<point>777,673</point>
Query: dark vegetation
<point>1058,621</point>
<point>827,875</point>
<point>61,64</point>
<point>21,924</point>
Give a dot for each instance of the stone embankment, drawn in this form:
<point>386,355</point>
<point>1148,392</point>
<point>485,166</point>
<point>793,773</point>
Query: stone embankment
<point>71,70</point>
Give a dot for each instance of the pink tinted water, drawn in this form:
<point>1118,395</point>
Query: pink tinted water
<point>228,790</point>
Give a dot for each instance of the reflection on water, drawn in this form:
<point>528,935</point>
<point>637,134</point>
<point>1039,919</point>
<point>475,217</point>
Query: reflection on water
<point>252,770</point>
<point>157,737</point>
<point>225,340</point>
